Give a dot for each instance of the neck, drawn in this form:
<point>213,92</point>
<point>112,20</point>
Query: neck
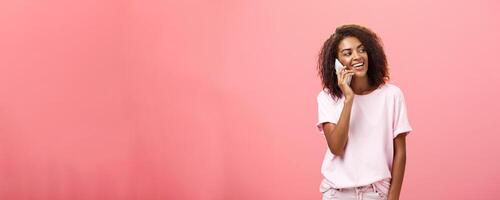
<point>360,85</point>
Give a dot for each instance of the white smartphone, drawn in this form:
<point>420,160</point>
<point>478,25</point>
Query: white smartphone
<point>338,67</point>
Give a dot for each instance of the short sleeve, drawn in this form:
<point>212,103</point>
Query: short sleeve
<point>327,111</point>
<point>401,123</point>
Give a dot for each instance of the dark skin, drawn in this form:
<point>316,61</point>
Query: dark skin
<point>398,166</point>
<point>355,58</point>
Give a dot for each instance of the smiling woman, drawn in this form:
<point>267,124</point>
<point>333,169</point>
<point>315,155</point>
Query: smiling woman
<point>364,122</point>
<point>349,41</point>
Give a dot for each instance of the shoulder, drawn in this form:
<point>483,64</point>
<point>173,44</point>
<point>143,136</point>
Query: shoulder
<point>325,96</point>
<point>323,93</point>
<point>392,89</point>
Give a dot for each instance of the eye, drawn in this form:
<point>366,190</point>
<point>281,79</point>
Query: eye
<point>362,50</point>
<point>346,54</point>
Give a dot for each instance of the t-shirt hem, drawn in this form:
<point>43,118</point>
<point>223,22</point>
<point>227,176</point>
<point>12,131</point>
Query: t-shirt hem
<point>407,130</point>
<point>373,181</point>
<point>319,126</point>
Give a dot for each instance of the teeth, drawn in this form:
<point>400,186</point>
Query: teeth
<point>357,65</point>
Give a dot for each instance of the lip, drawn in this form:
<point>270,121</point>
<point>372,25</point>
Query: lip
<point>358,68</point>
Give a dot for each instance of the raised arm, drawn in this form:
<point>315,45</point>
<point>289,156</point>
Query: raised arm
<point>336,134</point>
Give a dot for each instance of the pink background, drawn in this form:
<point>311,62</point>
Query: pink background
<point>217,99</point>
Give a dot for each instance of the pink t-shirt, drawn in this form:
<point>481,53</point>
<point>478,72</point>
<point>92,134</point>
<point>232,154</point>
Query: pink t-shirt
<point>376,119</point>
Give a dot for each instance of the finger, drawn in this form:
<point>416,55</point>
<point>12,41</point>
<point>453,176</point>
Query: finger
<point>347,74</point>
<point>341,73</point>
<point>343,68</point>
<point>345,71</point>
<point>343,77</point>
<point>339,76</point>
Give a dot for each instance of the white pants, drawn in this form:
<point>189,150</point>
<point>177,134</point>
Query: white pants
<point>358,193</point>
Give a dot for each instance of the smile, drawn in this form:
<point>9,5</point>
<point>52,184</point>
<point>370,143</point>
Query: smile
<point>358,66</point>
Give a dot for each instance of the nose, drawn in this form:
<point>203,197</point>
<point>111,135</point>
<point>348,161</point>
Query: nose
<point>356,56</point>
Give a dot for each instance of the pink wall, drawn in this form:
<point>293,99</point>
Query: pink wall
<point>216,100</point>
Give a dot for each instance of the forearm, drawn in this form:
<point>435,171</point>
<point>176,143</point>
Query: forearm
<point>398,170</point>
<point>337,140</point>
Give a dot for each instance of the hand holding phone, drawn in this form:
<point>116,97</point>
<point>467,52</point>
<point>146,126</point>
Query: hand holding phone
<point>338,68</point>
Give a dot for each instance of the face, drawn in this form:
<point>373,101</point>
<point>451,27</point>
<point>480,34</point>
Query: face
<point>352,53</point>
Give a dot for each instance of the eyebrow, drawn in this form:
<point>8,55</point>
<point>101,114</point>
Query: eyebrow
<point>360,45</point>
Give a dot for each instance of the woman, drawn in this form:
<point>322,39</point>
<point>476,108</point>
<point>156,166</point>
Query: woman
<point>364,122</point>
